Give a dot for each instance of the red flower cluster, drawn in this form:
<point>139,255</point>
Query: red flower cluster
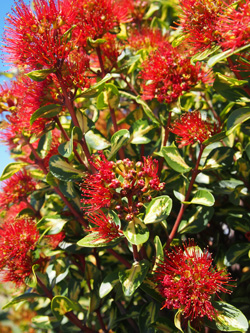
<point>17,238</point>
<point>167,74</point>
<point>200,22</point>
<point>187,280</point>
<point>234,26</point>
<point>123,179</point>
<point>145,38</point>
<point>191,129</point>
<point>16,189</point>
<point>106,228</point>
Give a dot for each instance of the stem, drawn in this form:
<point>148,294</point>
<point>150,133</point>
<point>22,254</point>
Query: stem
<point>99,54</point>
<point>131,87</point>
<point>70,107</point>
<point>135,253</point>
<point>119,257</point>
<point>65,134</point>
<point>210,105</point>
<point>57,190</point>
<point>164,142</point>
<point>99,316</point>
<point>70,315</point>
<point>184,206</point>
<point>237,74</point>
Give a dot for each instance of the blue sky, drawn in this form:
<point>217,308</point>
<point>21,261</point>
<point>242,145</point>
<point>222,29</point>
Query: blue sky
<point>5,8</point>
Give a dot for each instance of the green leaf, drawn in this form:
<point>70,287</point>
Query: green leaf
<point>63,170</point>
<point>158,209</point>
<point>132,278</point>
<point>95,240</point>
<point>118,140</point>
<point>112,95</point>
<point>236,118</point>
<point>229,87</point>
<point>44,144</point>
<point>40,75</point>
<point>215,138</point>
<point>174,159</point>
<point>196,220</point>
<point>177,320</point>
<point>202,197</point>
<point>136,231</point>
<point>95,43</point>
<point>96,140</point>
<point>96,87</point>
<point>147,317</point>
<point>164,325</point>
<point>147,110</point>
<point>204,54</point>
<point>219,157</point>
<point>108,284</point>
<point>11,169</point>
<point>141,132</point>
<point>224,55</point>
<point>21,298</point>
<point>45,322</point>
<point>60,305</point>
<point>229,319</point>
<point>66,148</point>
<point>68,189</point>
<point>53,223</point>
<point>47,111</point>
<point>235,252</point>
<point>159,254</point>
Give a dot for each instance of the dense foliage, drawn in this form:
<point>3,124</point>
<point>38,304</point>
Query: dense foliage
<point>127,206</point>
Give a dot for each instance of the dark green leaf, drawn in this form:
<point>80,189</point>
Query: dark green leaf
<point>47,111</point>
<point>63,170</point>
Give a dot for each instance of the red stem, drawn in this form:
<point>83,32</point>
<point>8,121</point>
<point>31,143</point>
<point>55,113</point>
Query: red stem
<point>119,257</point>
<point>237,74</point>
<point>70,107</point>
<point>164,142</point>
<point>99,54</point>
<point>123,77</point>
<point>184,206</point>
<point>57,190</point>
<point>70,315</point>
<point>65,134</point>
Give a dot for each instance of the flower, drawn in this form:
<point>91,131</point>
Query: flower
<point>200,22</point>
<point>52,241</point>
<point>234,26</point>
<point>97,17</point>
<point>106,228</point>
<point>167,74</point>
<point>16,189</point>
<point>37,38</point>
<point>18,237</point>
<point>187,280</point>
<point>146,38</point>
<point>191,129</point>
<point>114,181</point>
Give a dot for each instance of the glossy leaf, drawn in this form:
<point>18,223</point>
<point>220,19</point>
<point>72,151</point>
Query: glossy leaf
<point>236,118</point>
<point>47,111</point>
<point>96,140</point>
<point>136,231</point>
<point>63,170</point>
<point>219,157</point>
<point>95,240</point>
<point>174,159</point>
<point>11,169</point>
<point>196,220</point>
<point>202,197</point>
<point>60,305</point>
<point>229,319</point>
<point>118,140</point>
<point>158,209</point>
<point>132,278</point>
<point>21,298</point>
<point>40,75</point>
<point>235,252</point>
<point>108,284</point>
<point>141,132</point>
